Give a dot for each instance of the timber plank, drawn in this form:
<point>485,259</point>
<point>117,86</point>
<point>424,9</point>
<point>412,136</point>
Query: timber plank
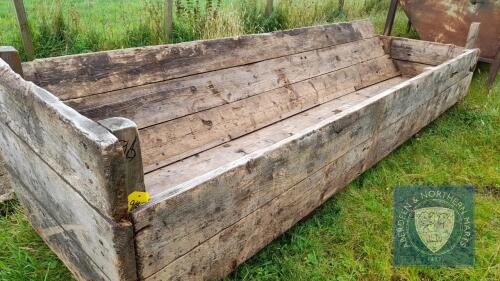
<point>194,166</point>
<point>171,141</point>
<point>220,255</point>
<point>281,165</point>
<point>160,102</point>
<point>421,51</point>
<point>100,243</point>
<point>81,75</point>
<point>410,69</point>
<point>76,147</point>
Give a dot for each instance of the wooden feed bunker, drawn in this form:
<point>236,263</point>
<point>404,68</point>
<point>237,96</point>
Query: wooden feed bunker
<point>240,138</point>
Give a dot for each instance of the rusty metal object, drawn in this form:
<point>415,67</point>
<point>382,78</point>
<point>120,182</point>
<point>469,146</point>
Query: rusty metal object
<point>448,21</point>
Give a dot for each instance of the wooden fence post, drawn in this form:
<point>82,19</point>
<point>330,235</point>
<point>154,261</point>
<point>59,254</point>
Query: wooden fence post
<point>390,17</point>
<point>11,57</point>
<point>169,17</point>
<point>341,6</point>
<point>25,30</point>
<point>269,8</point>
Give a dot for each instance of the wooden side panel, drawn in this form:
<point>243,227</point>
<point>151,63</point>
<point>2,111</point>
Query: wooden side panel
<point>170,141</point>
<point>160,102</point>
<point>182,218</point>
<point>220,255</point>
<point>81,75</point>
<point>91,244</point>
<point>419,51</point>
<point>192,167</point>
<point>81,150</point>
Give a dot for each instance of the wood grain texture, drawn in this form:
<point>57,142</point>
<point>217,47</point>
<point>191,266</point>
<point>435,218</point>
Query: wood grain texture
<point>189,135</point>
<point>160,102</point>
<point>425,52</point>
<point>81,75</point>
<point>192,167</point>
<point>178,220</point>
<point>220,255</point>
<point>87,241</point>
<point>410,69</point>
<point>85,153</point>
<point>6,192</point>
<point>128,136</point>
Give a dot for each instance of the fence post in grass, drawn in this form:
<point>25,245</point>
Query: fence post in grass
<point>269,8</point>
<point>169,17</point>
<point>25,30</point>
<point>341,6</point>
<point>11,57</point>
<point>390,17</point>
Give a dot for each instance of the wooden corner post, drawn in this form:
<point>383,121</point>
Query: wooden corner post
<point>128,135</point>
<point>11,56</point>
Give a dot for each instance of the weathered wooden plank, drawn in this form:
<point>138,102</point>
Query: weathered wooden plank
<point>85,153</point>
<point>220,255</point>
<point>419,51</point>
<point>58,239</point>
<point>81,75</point>
<point>185,136</point>
<point>128,136</point>
<point>156,103</point>
<point>194,211</point>
<point>100,243</point>
<point>410,69</point>
<point>212,159</point>
<point>6,192</point>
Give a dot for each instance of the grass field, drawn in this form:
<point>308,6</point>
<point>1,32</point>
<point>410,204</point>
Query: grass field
<point>349,237</point>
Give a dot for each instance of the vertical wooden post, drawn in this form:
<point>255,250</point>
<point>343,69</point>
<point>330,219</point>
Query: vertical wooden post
<point>126,132</point>
<point>25,30</point>
<point>11,57</point>
<point>169,18</point>
<point>269,7</point>
<point>341,6</point>
<point>473,35</point>
<point>494,70</point>
<point>390,17</point>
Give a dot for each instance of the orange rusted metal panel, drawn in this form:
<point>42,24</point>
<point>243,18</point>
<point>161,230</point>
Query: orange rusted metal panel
<point>448,21</point>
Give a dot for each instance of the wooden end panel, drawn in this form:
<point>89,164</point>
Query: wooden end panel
<point>81,75</point>
<point>93,246</point>
<point>68,172</point>
<point>175,223</point>
<point>81,150</point>
<point>419,51</point>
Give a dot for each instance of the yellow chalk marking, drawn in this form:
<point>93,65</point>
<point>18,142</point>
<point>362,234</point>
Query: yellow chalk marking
<point>137,198</point>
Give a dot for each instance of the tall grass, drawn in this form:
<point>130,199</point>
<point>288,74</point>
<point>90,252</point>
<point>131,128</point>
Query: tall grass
<point>62,27</point>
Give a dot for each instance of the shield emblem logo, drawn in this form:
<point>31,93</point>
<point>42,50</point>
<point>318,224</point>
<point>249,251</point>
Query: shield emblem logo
<point>434,226</point>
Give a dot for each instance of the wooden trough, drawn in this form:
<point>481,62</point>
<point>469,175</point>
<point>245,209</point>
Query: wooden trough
<point>235,140</point>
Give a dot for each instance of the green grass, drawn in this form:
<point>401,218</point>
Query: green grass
<point>349,237</point>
